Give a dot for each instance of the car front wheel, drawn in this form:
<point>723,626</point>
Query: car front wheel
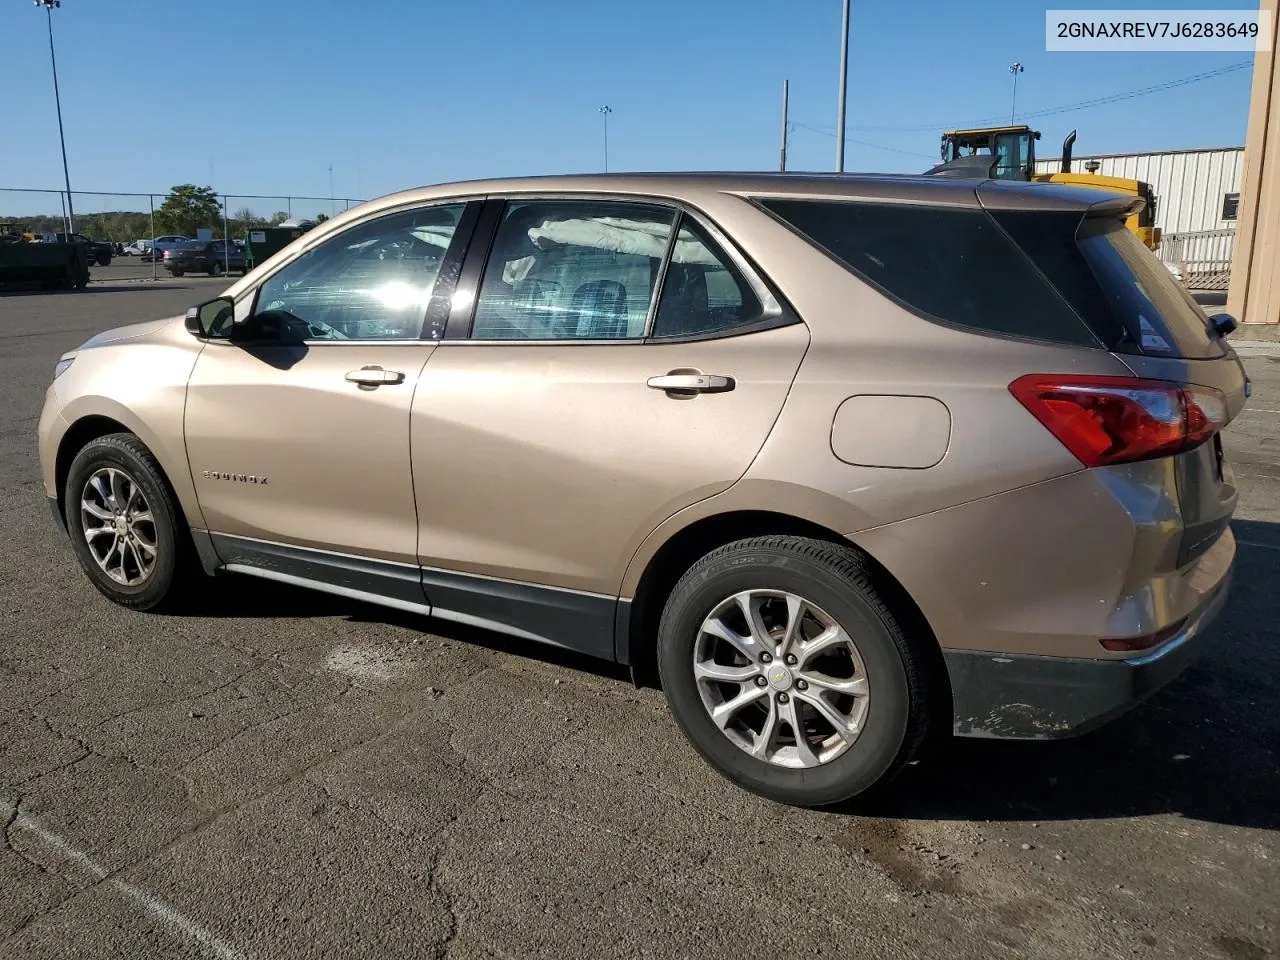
<point>124,523</point>
<point>789,673</point>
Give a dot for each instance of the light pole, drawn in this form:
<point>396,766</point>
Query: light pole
<point>844,83</point>
<point>606,110</point>
<point>1015,69</point>
<point>57,102</point>
<point>782,159</point>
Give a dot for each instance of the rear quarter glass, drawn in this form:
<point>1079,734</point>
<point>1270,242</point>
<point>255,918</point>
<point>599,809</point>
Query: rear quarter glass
<point>1043,275</point>
<point>948,264</point>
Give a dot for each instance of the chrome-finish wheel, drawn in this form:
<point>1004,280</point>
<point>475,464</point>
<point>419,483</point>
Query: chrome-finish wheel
<point>780,678</point>
<point>118,526</point>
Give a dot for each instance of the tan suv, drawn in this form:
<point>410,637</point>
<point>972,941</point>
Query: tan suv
<point>847,459</point>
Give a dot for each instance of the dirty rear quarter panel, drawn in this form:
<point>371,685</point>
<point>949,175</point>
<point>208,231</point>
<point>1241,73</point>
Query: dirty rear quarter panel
<point>866,344</point>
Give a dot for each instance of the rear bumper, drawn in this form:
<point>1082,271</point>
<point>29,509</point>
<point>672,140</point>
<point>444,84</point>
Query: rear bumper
<point>1024,697</point>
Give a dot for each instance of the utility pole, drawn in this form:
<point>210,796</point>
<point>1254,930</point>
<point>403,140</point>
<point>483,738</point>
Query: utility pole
<point>606,110</point>
<point>844,83</point>
<point>57,101</point>
<point>332,209</point>
<point>226,239</point>
<point>1015,69</point>
<point>782,160</point>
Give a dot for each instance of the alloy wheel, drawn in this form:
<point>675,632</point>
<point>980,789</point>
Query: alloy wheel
<point>118,526</point>
<point>780,678</point>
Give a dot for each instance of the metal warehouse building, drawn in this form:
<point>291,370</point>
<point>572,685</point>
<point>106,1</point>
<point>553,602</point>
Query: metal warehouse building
<point>1197,202</point>
<point>1195,189</point>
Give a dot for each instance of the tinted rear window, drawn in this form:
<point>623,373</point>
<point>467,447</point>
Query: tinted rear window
<point>1141,292</point>
<point>1048,238</point>
<point>953,265</point>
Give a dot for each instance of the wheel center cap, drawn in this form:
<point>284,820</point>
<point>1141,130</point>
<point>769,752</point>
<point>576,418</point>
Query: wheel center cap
<point>122,525</point>
<point>779,677</point>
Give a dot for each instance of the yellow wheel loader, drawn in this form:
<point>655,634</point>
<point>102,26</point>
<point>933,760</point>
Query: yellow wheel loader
<point>1009,153</point>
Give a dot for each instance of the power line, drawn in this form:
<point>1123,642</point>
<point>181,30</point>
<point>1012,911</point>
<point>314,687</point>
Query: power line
<point>1068,107</point>
<point>1141,92</point>
<point>863,143</point>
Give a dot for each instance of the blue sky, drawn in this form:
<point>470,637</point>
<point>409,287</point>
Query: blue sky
<point>403,92</point>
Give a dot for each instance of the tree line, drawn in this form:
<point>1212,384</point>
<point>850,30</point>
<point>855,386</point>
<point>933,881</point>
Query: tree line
<point>185,210</point>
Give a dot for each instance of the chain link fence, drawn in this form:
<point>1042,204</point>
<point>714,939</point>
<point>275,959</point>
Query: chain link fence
<point>134,225</point>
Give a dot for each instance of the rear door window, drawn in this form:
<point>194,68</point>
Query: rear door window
<point>701,293</point>
<point>572,270</point>
<point>954,265</point>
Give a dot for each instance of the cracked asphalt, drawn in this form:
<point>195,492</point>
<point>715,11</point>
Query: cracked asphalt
<point>285,774</point>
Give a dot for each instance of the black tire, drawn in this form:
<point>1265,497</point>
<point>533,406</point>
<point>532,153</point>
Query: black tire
<point>840,581</point>
<point>104,260</point>
<point>173,563</point>
<point>177,273</point>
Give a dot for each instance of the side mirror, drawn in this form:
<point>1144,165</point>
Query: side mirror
<point>209,316</point>
<point>1223,323</point>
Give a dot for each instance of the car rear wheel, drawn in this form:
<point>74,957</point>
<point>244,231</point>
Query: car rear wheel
<point>177,273</point>
<point>789,673</point>
<point>124,523</point>
<point>104,260</point>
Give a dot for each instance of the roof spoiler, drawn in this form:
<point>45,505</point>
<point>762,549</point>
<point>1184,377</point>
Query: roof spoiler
<point>979,166</point>
<point>1121,207</point>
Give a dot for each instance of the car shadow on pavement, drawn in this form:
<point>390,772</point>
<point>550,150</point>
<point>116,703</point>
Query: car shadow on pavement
<point>254,598</point>
<point>1207,747</point>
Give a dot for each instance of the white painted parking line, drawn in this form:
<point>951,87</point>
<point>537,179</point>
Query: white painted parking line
<point>175,920</point>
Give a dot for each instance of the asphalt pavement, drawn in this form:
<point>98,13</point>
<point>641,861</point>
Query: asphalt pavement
<point>287,774</point>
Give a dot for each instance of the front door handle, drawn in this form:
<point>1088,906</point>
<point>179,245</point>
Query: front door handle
<point>373,375</point>
<point>687,383</point>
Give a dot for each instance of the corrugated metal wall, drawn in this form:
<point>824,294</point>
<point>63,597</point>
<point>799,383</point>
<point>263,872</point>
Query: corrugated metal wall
<point>1189,186</point>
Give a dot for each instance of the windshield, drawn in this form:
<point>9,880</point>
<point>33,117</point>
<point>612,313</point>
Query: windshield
<point>1159,314</point>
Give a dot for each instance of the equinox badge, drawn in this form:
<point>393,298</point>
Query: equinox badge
<point>237,477</point>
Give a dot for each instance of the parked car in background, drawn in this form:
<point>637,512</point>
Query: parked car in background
<point>849,461</point>
<point>211,257</point>
<point>137,249</point>
<point>162,244</point>
<point>99,251</point>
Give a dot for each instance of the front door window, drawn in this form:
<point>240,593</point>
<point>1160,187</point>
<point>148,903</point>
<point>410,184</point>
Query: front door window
<point>370,282</point>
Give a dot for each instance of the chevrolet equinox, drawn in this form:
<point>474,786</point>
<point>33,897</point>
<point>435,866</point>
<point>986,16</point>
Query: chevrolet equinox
<point>845,460</point>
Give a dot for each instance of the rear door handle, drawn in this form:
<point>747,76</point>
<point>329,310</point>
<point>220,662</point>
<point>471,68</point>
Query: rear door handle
<point>373,375</point>
<point>692,383</point>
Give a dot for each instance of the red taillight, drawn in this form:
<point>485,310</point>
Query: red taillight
<point>1130,644</point>
<point>1107,420</point>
